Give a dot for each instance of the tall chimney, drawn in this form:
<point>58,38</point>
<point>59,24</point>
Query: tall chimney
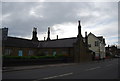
<point>44,38</point>
<point>85,34</point>
<point>86,39</point>
<point>108,47</point>
<point>79,28</point>
<point>57,36</point>
<point>48,34</point>
<point>4,33</point>
<point>34,36</point>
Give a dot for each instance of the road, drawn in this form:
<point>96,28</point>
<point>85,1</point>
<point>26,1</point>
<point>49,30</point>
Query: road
<point>107,69</point>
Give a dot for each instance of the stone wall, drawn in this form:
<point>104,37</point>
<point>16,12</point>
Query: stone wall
<point>81,52</point>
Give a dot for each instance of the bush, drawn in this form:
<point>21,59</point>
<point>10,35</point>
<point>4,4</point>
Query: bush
<point>61,56</point>
<point>34,57</point>
<point>13,57</point>
<point>27,57</point>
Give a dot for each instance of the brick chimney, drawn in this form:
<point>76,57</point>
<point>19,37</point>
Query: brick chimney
<point>44,38</point>
<point>4,33</point>
<point>34,36</point>
<point>57,36</point>
<point>79,29</point>
<point>48,34</point>
<point>86,39</point>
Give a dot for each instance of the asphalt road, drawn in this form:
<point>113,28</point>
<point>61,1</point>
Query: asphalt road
<point>107,69</point>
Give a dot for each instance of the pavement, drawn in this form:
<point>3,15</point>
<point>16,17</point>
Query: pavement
<point>18,68</point>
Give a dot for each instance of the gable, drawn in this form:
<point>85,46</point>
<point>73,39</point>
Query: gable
<point>92,37</point>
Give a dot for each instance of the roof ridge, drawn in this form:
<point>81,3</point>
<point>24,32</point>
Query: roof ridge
<point>19,38</point>
<point>64,38</point>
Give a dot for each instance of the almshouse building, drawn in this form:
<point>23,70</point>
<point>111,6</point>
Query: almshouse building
<point>75,47</point>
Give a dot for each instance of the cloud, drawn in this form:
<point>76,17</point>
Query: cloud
<point>62,17</point>
<point>61,1</point>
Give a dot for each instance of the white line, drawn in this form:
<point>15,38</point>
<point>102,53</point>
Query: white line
<point>66,74</point>
<point>92,68</point>
<point>50,77</point>
<point>58,76</point>
<point>59,65</point>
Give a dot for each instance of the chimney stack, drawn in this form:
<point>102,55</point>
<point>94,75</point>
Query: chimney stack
<point>85,34</point>
<point>86,39</point>
<point>108,47</point>
<point>34,37</point>
<point>44,38</point>
<point>48,34</point>
<point>57,36</point>
<point>4,33</point>
<point>79,28</point>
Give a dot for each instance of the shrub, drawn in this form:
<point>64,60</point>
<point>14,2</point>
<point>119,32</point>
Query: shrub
<point>61,56</point>
<point>27,57</point>
<point>35,57</point>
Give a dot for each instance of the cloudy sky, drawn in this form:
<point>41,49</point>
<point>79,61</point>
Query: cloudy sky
<point>100,18</point>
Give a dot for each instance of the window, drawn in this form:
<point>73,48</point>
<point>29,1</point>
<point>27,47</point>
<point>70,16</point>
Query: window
<point>8,51</point>
<point>30,52</point>
<point>46,53</point>
<point>20,53</point>
<point>54,53</point>
<point>64,52</point>
<point>96,43</point>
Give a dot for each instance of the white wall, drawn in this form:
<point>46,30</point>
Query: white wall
<point>100,49</point>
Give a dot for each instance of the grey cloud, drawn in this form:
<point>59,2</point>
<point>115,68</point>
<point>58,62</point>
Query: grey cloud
<point>21,23</point>
<point>119,24</point>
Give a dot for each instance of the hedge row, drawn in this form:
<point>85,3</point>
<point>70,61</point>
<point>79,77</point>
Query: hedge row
<point>33,57</point>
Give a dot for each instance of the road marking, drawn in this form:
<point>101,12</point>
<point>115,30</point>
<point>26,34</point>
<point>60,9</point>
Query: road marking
<point>59,65</point>
<point>58,76</point>
<point>66,74</point>
<point>92,68</point>
<point>50,77</point>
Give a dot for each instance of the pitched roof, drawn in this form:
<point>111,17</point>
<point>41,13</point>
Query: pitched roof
<point>66,42</point>
<point>92,35</point>
<point>18,42</point>
<point>26,43</point>
<point>98,37</point>
<point>101,39</point>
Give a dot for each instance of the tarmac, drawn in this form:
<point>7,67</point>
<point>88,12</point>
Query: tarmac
<point>18,68</point>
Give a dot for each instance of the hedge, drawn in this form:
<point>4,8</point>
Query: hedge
<point>33,57</point>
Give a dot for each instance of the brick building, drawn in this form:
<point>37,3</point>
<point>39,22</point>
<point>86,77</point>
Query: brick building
<point>74,47</point>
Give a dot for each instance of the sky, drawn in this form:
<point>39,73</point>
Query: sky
<point>99,18</point>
